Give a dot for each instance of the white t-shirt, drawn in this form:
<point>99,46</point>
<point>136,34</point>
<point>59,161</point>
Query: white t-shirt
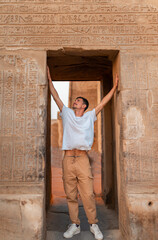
<point>78,132</point>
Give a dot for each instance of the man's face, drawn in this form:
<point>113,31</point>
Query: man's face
<point>78,104</point>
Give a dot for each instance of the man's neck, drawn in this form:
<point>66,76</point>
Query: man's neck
<point>78,112</point>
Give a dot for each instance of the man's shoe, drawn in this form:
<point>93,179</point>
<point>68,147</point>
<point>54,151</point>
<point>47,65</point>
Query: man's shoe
<point>96,231</point>
<point>73,229</point>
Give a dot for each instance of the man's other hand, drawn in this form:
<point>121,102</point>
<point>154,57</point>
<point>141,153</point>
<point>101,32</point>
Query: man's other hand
<point>116,80</point>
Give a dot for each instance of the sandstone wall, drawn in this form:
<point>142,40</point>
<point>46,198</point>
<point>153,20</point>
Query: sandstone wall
<point>139,145</point>
<point>23,100</point>
<point>53,24</point>
<point>105,27</point>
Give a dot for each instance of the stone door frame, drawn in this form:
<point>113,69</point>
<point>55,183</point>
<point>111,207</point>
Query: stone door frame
<point>114,57</point>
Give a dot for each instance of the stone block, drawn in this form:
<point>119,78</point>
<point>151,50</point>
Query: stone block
<point>22,217</point>
<point>23,104</point>
<point>143,217</point>
<point>22,115</point>
<point>139,70</point>
<point>140,161</point>
<point>107,24</point>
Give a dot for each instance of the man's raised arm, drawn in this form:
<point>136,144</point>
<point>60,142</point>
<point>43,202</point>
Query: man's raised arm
<point>107,98</point>
<point>54,92</point>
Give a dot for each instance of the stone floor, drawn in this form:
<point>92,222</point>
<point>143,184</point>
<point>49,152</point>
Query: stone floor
<point>58,220</point>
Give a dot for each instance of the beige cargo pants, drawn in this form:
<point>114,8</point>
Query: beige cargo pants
<point>77,176</point>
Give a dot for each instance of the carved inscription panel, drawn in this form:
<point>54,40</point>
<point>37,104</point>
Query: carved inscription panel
<point>83,23</point>
<point>140,116</point>
<point>22,144</point>
<point>140,161</point>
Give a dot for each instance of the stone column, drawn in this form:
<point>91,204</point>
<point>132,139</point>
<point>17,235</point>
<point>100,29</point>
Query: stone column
<point>138,155</point>
<point>23,104</point>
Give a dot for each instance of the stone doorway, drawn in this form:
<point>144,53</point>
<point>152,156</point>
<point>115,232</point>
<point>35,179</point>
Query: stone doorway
<point>89,66</point>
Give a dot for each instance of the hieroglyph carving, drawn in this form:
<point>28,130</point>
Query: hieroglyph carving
<point>21,154</point>
<point>139,116</point>
<point>78,40</point>
<point>79,7</point>
<point>90,19</point>
<point>95,22</point>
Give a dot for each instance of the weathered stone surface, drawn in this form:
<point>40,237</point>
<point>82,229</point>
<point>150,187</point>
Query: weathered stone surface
<point>139,165</point>
<point>22,116</point>
<point>23,100</point>
<point>79,23</point>
<point>21,217</point>
<point>143,212</point>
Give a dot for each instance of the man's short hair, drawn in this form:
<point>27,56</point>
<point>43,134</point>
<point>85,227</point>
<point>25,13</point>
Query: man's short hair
<point>85,101</point>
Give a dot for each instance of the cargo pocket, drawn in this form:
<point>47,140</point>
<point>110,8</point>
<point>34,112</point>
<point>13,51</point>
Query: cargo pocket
<point>90,174</point>
<point>91,177</point>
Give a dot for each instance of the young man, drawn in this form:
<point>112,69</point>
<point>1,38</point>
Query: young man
<point>78,134</point>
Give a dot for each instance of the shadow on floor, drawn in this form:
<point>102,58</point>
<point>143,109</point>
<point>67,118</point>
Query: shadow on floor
<point>58,220</point>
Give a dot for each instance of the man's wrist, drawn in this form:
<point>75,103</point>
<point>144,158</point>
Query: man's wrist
<point>114,87</point>
<point>49,78</point>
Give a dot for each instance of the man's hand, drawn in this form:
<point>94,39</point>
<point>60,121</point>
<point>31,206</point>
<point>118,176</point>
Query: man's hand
<point>116,81</point>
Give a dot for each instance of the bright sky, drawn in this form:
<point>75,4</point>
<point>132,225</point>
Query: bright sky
<point>63,91</point>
